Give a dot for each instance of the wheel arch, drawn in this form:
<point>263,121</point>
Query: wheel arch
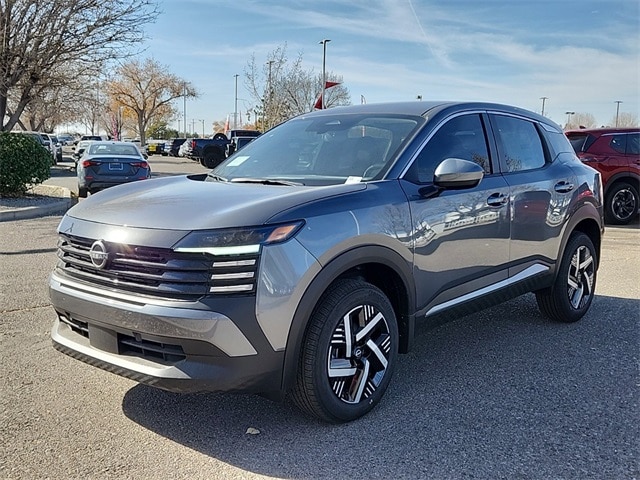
<point>621,177</point>
<point>588,221</point>
<point>380,266</point>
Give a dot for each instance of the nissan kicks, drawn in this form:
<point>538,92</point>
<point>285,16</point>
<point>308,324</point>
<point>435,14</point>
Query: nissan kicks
<point>299,267</point>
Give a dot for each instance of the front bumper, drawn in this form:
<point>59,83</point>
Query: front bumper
<point>181,348</point>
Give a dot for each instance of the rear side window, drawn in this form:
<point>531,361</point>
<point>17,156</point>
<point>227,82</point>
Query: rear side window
<point>520,145</point>
<point>633,144</point>
<point>619,143</point>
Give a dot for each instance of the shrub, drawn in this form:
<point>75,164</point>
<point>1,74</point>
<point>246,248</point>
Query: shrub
<point>23,162</point>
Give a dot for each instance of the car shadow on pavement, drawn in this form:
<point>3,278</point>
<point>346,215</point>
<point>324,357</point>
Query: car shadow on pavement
<point>496,394</point>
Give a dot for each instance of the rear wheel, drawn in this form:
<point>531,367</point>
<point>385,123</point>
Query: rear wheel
<point>621,204</point>
<point>213,158</point>
<point>572,292</point>
<point>348,354</point>
<point>82,192</point>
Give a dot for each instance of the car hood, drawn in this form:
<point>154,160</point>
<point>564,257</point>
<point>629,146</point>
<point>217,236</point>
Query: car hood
<point>189,203</point>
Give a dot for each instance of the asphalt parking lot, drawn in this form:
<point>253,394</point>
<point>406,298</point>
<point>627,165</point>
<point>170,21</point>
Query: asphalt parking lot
<point>502,393</point>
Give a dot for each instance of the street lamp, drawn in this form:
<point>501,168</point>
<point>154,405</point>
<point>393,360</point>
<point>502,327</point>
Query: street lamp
<point>202,127</point>
<point>618,102</point>
<point>569,117</point>
<point>184,106</point>
<point>235,110</point>
<point>324,72</point>
<point>267,103</point>
<point>543,100</point>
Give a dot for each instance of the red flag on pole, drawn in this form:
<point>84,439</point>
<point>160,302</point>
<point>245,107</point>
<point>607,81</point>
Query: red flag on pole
<point>318,104</point>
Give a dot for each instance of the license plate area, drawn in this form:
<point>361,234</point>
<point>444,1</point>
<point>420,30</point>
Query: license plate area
<point>115,166</point>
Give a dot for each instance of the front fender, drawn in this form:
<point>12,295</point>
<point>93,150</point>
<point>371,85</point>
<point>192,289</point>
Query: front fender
<point>337,267</point>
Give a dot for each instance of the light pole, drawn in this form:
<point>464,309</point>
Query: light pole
<point>544,99</point>
<point>324,72</point>
<point>569,117</point>
<point>202,127</point>
<point>184,107</point>
<point>618,102</point>
<point>267,104</point>
<point>235,109</point>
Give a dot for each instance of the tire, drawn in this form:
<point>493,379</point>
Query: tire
<point>220,136</point>
<point>82,192</point>
<point>572,292</point>
<point>213,158</point>
<point>348,353</point>
<point>621,204</point>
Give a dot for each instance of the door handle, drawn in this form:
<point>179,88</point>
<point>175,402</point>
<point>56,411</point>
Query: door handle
<point>563,187</point>
<point>497,200</point>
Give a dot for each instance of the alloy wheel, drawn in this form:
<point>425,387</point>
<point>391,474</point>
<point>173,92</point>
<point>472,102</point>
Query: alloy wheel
<point>358,354</point>
<point>623,204</point>
<point>581,277</point>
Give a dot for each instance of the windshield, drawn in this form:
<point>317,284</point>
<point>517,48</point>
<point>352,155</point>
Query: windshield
<point>322,150</point>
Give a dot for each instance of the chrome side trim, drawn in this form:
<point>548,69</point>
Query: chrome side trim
<point>527,273</point>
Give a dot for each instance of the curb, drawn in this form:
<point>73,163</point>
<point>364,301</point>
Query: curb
<point>61,201</point>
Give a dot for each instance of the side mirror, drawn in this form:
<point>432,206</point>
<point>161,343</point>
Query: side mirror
<point>456,173</point>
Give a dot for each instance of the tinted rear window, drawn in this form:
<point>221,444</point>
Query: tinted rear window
<point>580,141</point>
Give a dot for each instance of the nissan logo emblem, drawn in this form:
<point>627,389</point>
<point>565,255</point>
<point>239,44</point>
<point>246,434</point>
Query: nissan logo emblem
<point>99,255</point>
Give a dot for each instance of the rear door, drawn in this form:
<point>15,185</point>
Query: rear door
<point>540,191</point>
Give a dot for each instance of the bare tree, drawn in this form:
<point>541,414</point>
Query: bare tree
<point>38,36</point>
<point>625,120</point>
<point>581,120</point>
<point>283,89</point>
<point>147,89</point>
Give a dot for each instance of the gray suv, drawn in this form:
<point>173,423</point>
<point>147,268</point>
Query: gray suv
<point>322,244</point>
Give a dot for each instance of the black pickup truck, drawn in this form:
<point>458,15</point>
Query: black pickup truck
<point>211,151</point>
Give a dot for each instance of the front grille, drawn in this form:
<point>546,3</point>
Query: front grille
<point>157,272</point>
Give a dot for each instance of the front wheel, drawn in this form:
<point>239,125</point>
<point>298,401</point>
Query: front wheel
<point>572,292</point>
<point>621,204</point>
<point>349,353</point>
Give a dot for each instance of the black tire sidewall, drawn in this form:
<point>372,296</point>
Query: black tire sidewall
<point>360,293</point>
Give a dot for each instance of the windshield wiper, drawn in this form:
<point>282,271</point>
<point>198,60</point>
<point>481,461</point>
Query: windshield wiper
<point>265,181</point>
<point>217,178</point>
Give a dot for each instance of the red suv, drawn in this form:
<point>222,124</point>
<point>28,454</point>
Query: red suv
<point>615,153</point>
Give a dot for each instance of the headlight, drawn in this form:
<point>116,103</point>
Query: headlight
<point>236,241</point>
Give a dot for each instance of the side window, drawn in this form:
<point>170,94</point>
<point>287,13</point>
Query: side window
<point>461,137</point>
<point>633,144</point>
<point>618,143</point>
<point>521,147</point>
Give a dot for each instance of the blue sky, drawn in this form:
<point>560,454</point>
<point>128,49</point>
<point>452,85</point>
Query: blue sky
<point>581,54</point>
